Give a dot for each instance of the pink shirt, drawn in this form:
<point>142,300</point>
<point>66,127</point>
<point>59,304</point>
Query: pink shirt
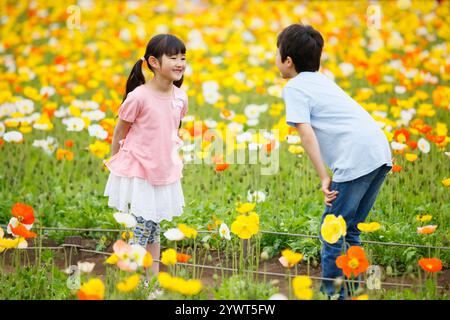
<point>150,149</point>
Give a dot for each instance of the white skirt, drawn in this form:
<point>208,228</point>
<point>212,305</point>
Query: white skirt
<point>150,202</point>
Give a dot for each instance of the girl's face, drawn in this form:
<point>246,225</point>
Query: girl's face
<point>171,67</point>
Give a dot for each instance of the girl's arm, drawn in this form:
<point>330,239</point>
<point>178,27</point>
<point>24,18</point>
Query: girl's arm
<point>309,142</point>
<point>120,132</point>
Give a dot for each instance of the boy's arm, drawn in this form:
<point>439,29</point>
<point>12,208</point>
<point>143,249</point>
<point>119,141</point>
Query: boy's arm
<point>311,146</point>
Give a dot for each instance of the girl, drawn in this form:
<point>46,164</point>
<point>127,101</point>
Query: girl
<point>145,169</point>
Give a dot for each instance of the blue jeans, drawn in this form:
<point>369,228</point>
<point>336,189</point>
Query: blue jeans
<point>353,203</point>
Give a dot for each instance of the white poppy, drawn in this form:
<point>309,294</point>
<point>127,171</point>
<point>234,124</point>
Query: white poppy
<point>423,145</point>
<point>447,154</point>
<point>210,123</point>
<point>86,267</point>
<point>96,130</point>
<point>224,231</point>
<point>397,145</point>
<point>174,234</point>
<point>25,106</point>
<point>252,111</point>
<point>244,137</point>
<point>257,196</point>
<point>2,129</point>
<point>23,244</point>
<point>252,122</point>
<point>125,219</point>
<point>74,124</point>
<point>13,137</point>
<point>346,68</point>
<point>235,127</point>
<point>292,139</point>
<point>278,296</point>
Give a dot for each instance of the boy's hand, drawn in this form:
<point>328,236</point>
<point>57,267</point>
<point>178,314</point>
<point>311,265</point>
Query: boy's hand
<point>329,195</point>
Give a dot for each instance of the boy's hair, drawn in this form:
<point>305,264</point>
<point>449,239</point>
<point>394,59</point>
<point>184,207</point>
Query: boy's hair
<point>303,44</point>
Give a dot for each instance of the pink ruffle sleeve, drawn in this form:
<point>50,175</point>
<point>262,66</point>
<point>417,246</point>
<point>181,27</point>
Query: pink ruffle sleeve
<point>130,108</point>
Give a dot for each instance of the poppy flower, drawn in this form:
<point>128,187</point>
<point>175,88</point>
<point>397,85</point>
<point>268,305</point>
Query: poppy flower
<point>187,231</point>
<point>333,228</point>
<point>222,167</point>
<point>369,227</point>
<point>411,157</point>
<point>401,135</point>
<point>181,257</point>
<point>169,257</point>
<point>431,264</point>
<point>354,262</point>
<point>245,226</point>
<point>21,231</point>
<point>94,289</point>
<point>302,287</point>
<point>396,168</point>
<point>129,284</point>
<point>290,258</point>
<point>23,212</point>
<point>427,229</point>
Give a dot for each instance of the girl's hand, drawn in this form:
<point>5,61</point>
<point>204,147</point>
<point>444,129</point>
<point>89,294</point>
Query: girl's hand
<point>329,195</point>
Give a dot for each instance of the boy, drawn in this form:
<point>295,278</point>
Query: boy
<point>335,128</point>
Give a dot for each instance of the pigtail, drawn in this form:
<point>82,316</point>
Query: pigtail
<point>179,82</point>
<point>135,79</point>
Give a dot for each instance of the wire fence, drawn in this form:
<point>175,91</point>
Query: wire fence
<point>266,273</point>
<point>397,244</point>
<point>83,249</point>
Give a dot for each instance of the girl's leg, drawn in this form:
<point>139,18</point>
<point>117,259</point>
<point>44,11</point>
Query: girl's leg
<point>154,249</point>
<point>153,246</point>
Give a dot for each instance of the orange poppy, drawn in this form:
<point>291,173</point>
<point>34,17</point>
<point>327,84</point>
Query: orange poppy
<point>426,229</point>
<point>354,262</point>
<point>430,265</point>
<point>222,167</point>
<point>23,232</point>
<point>181,257</point>
<point>396,168</point>
<point>23,212</point>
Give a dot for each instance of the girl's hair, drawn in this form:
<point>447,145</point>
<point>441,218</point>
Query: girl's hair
<point>157,46</point>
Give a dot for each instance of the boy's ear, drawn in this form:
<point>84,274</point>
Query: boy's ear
<point>289,62</point>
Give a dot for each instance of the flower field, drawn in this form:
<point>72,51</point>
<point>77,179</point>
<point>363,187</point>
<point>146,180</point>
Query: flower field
<point>63,74</point>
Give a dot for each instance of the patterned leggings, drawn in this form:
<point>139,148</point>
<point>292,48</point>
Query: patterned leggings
<point>146,231</point>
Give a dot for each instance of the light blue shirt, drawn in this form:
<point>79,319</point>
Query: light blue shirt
<point>351,142</point>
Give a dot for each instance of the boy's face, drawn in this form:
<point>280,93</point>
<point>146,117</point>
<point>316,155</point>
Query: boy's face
<point>287,68</point>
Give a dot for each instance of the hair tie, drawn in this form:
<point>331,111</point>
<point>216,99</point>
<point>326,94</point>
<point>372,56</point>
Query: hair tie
<point>143,58</point>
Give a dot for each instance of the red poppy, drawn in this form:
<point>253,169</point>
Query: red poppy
<point>23,212</point>
<point>401,135</point>
<point>181,257</point>
<point>412,144</point>
<point>69,143</point>
<point>354,262</point>
<point>222,167</point>
<point>430,265</point>
<point>270,146</point>
<point>23,232</point>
